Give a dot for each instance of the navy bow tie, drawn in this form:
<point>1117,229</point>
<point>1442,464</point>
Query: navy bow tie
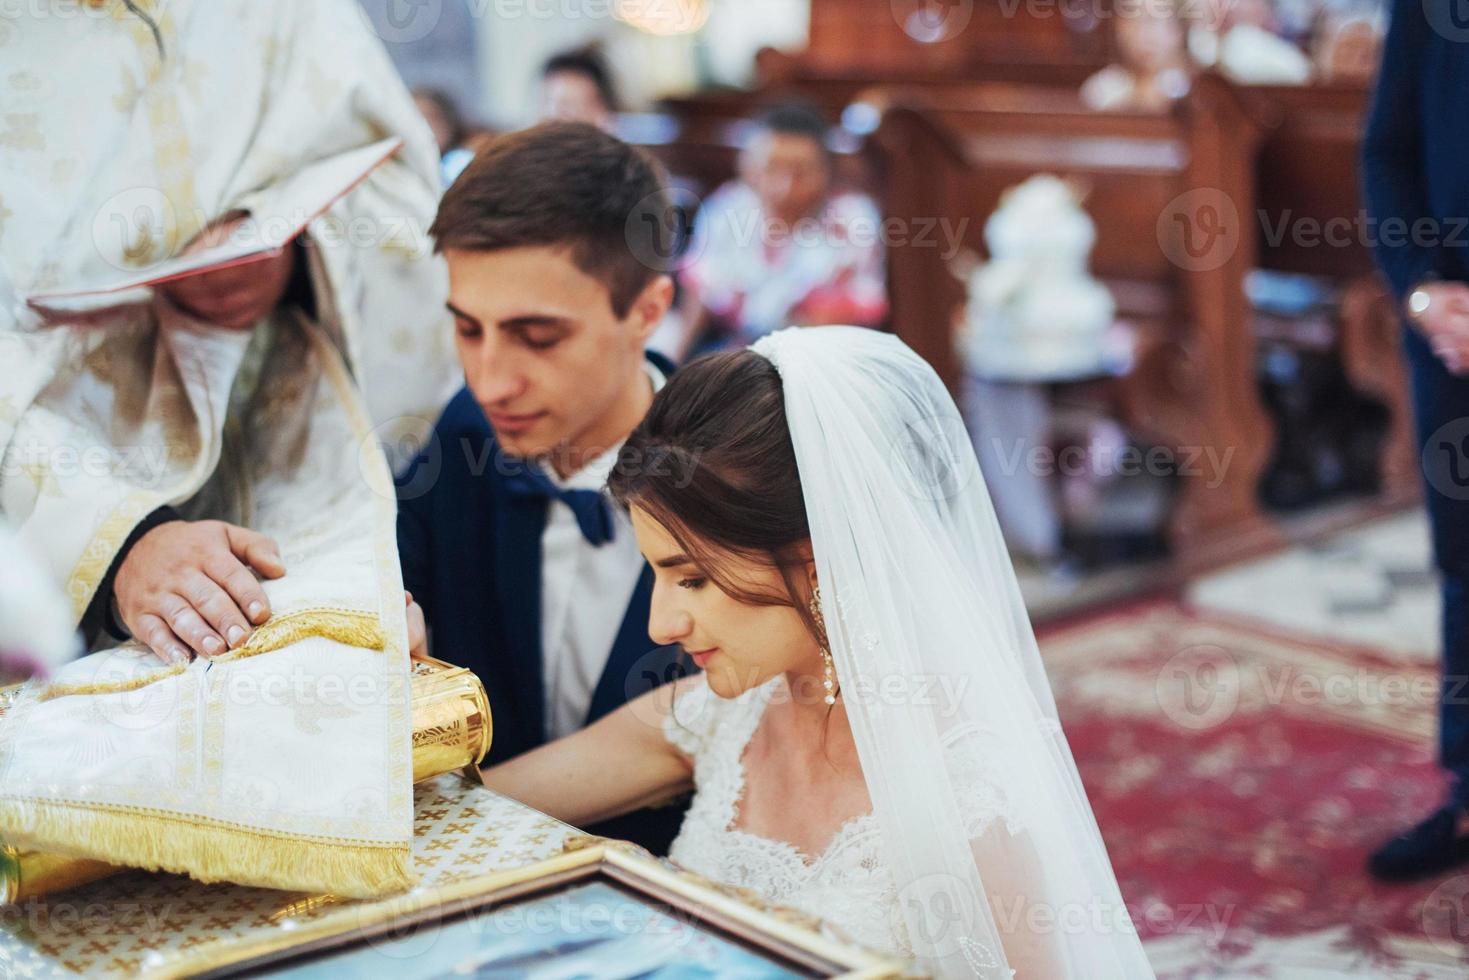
<point>593,515</point>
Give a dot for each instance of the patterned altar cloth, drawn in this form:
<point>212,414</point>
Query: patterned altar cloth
<point>140,922</point>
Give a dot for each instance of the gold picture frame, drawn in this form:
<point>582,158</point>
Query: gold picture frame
<point>354,938</point>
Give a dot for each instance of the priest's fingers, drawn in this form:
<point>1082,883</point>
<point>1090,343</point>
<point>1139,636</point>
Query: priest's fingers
<point>255,550</point>
<point>243,587</point>
<point>155,632</point>
<point>190,627</point>
<point>218,609</point>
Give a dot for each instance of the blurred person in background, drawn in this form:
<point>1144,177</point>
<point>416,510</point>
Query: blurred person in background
<point>443,117</point>
<point>781,246</point>
<point>577,86</point>
<point>1347,42</point>
<point>453,135</point>
<point>1153,68</point>
<point>1417,191</point>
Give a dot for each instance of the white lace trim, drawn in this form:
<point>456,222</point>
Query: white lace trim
<point>847,884</point>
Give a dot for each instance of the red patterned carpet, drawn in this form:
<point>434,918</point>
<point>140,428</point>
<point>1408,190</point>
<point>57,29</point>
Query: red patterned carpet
<point>1240,777</point>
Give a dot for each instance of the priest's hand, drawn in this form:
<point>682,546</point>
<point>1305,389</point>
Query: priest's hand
<point>187,587</point>
<point>417,629</point>
<point>237,297</point>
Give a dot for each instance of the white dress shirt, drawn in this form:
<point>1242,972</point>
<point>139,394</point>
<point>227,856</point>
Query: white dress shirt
<point>585,593</point>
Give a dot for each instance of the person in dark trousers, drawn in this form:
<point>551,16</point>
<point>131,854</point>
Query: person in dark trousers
<point>1415,166</point>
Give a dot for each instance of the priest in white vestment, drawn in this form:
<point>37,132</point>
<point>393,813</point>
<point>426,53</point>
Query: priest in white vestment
<point>197,464</point>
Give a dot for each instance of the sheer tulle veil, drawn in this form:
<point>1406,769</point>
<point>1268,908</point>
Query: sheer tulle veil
<point>939,671</point>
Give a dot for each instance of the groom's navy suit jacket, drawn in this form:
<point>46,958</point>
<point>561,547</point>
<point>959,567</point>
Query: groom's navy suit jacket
<point>471,554</point>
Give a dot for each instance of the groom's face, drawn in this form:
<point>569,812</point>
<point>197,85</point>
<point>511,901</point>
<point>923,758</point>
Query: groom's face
<point>544,353</point>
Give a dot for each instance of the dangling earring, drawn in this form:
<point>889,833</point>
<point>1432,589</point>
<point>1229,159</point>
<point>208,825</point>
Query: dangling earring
<point>828,667</point>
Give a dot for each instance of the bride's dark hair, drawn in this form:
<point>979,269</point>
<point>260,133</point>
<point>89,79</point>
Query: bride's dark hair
<point>712,462</point>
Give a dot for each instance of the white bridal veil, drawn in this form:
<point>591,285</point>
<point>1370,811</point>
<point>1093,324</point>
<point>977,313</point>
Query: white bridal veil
<point>989,835</point>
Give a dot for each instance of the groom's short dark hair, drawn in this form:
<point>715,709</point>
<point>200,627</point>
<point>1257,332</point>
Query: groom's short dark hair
<point>566,184</point>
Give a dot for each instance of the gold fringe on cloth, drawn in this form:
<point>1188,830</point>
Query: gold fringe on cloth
<point>451,730</point>
<point>349,626</point>
<point>192,845</point>
<point>110,687</point>
<point>355,629</point>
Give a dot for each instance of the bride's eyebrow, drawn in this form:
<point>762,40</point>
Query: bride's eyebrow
<point>673,561</point>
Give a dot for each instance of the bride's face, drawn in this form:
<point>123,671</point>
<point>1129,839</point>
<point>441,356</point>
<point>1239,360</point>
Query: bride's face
<point>738,644</point>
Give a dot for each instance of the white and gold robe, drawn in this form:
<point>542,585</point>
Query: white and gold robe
<point>286,763</point>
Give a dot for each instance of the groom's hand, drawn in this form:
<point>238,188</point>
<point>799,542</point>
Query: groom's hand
<point>189,586</point>
<point>417,629</point>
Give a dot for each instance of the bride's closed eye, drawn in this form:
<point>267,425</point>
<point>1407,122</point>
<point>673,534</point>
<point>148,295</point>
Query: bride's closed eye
<point>692,583</point>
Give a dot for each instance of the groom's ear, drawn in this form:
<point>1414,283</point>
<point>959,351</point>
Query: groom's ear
<point>651,305</point>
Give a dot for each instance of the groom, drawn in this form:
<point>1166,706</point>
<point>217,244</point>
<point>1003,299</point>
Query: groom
<point>526,573</point>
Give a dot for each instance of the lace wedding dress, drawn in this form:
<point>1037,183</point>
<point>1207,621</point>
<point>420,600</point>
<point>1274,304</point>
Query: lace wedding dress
<point>973,786</point>
<point>847,885</point>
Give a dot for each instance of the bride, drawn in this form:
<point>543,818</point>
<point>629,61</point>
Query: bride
<point>871,739</point>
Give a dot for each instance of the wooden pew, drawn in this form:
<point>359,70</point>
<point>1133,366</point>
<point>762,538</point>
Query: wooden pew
<point>1263,154</point>
<point>975,36</point>
<point>833,93</point>
<point>1307,172</point>
<point>1160,185</point>
<point>1311,220</point>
